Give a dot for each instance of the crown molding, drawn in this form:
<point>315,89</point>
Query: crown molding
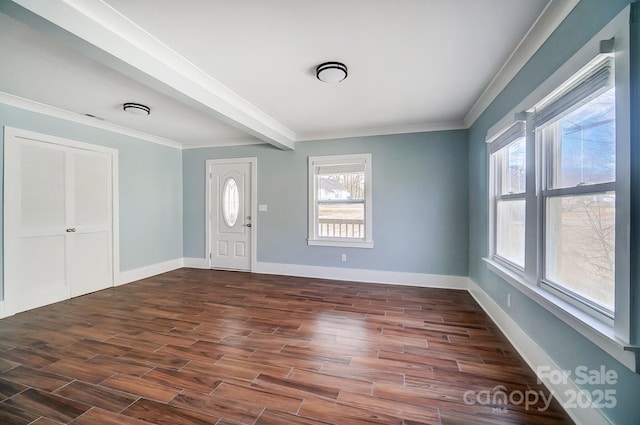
<point>551,17</point>
<point>101,25</point>
<point>223,143</point>
<point>52,111</point>
<point>381,131</point>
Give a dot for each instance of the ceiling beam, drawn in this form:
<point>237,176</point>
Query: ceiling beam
<point>107,29</point>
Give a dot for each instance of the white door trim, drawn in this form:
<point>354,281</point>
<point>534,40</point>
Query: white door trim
<point>15,135</point>
<point>254,205</point>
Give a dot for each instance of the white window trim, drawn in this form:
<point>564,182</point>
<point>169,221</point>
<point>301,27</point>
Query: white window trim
<point>598,332</point>
<point>496,143</point>
<point>613,338</point>
<point>313,238</point>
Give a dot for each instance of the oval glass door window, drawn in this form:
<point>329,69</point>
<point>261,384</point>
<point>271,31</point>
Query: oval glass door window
<point>230,202</point>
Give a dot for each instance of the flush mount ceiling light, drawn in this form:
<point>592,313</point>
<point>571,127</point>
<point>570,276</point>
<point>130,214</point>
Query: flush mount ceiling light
<point>136,109</point>
<point>331,72</point>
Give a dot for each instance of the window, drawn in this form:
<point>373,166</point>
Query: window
<point>230,202</point>
<point>340,200</point>
<point>572,205</point>
<point>508,171</point>
<point>578,169</point>
<point>573,135</point>
<point>575,260</point>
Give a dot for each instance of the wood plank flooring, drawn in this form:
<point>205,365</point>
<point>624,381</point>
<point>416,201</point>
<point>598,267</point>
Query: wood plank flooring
<point>212,347</point>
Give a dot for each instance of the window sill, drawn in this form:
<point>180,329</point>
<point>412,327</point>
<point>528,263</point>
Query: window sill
<point>340,243</point>
<point>599,333</point>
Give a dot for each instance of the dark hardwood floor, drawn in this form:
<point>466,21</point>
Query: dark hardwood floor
<point>212,347</point>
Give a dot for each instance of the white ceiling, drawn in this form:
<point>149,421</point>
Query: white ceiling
<point>234,72</point>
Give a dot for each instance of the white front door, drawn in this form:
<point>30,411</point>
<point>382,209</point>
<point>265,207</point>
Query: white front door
<point>58,206</point>
<point>230,192</point>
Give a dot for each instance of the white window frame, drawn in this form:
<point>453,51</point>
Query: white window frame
<point>315,162</point>
<point>513,133</point>
<point>611,335</point>
<point>547,192</point>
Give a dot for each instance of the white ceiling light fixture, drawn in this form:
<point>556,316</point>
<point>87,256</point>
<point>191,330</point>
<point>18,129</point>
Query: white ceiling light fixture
<point>136,109</point>
<point>331,72</point>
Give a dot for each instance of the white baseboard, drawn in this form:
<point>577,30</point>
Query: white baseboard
<point>363,275</point>
<point>195,263</point>
<point>353,275</point>
<point>535,357</point>
<point>3,312</point>
<point>147,271</point>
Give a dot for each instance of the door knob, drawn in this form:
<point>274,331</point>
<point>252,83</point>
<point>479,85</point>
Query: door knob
<point>72,230</point>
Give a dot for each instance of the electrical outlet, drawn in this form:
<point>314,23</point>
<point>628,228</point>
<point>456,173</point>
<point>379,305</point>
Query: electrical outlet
<point>344,257</point>
<point>509,300</point>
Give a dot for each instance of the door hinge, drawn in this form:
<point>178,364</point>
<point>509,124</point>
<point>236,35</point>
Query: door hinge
<point>210,256</point>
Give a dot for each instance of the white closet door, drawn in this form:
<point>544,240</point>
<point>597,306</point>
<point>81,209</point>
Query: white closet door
<point>90,243</point>
<point>37,261</point>
<point>58,219</point>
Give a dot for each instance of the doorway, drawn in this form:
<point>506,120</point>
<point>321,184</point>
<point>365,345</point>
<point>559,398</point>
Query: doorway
<point>231,213</point>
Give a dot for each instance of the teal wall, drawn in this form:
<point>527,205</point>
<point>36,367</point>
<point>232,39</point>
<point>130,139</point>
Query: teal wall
<point>150,185</point>
<point>420,213</point>
<point>566,347</point>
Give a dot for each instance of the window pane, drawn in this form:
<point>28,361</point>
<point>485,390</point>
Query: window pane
<point>341,220</point>
<point>515,172</point>
<point>341,205</point>
<point>510,225</point>
<point>344,186</point>
<point>580,245</point>
<point>583,144</point>
<point>230,202</point>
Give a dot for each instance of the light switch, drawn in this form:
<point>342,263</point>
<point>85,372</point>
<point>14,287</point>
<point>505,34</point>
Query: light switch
<point>262,207</point>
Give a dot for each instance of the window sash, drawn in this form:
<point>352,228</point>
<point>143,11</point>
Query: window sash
<point>589,86</point>
<point>497,228</point>
<point>341,231</point>
<point>510,134</point>
<point>564,288</point>
<point>499,152</point>
<point>597,80</point>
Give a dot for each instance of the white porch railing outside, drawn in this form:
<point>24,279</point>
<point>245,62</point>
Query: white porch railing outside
<point>341,228</point>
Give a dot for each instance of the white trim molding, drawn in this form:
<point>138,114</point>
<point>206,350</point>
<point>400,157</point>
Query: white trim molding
<point>381,131</point>
<point>196,263</point>
<point>339,164</point>
<point>106,28</point>
<point>352,275</point>
<point>552,16</point>
<point>601,334</point>
<point>222,143</point>
<point>144,272</point>
<point>3,313</point>
<point>103,26</point>
<point>52,111</point>
<point>364,275</point>
<point>536,358</point>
